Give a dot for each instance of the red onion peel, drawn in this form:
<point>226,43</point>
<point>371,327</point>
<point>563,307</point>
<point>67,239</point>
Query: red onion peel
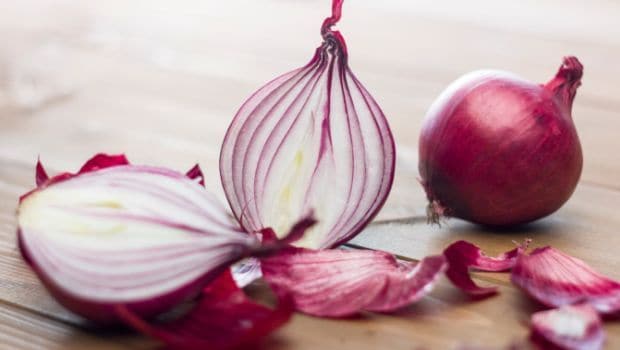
<point>556,279</point>
<point>462,256</point>
<point>311,139</point>
<point>498,150</point>
<point>224,318</point>
<point>571,327</point>
<point>338,283</point>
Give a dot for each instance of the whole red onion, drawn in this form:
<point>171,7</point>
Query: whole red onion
<point>498,150</point>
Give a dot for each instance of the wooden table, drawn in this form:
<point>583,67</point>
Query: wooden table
<point>160,81</point>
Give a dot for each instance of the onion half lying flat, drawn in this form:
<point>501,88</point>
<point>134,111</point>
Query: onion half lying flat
<point>119,234</point>
<point>311,139</point>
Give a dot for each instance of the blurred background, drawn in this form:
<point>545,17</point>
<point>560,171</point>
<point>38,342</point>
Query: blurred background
<point>161,80</point>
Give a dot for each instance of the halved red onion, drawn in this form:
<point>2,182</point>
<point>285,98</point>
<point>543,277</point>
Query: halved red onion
<point>556,279</point>
<point>224,318</point>
<point>313,138</point>
<point>571,327</point>
<point>337,282</point>
<point>119,234</point>
<point>463,255</point>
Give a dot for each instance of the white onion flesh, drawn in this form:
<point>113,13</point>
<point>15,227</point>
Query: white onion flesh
<point>312,139</point>
<point>127,233</point>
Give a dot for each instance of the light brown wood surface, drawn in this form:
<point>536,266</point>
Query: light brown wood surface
<point>161,80</point>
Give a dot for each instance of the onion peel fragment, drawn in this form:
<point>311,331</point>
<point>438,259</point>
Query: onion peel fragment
<point>462,256</point>
<point>571,327</point>
<point>339,283</point>
<point>224,318</point>
<point>556,279</point>
<point>195,173</point>
<point>98,161</point>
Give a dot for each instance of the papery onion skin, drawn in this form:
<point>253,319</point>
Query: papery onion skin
<point>463,256</point>
<point>498,150</point>
<point>555,279</point>
<point>311,139</point>
<point>110,169</point>
<point>571,327</point>
<point>341,283</point>
<point>223,319</point>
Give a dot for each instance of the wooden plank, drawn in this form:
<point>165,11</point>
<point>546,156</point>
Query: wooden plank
<point>24,330</point>
<point>443,320</point>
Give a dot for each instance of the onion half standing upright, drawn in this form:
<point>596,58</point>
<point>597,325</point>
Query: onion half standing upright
<point>311,139</point>
<point>498,150</point>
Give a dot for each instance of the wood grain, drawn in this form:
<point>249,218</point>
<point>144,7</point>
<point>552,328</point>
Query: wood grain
<point>161,80</point>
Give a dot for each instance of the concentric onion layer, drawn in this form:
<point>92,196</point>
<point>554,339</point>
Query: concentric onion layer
<point>127,234</point>
<point>311,139</point>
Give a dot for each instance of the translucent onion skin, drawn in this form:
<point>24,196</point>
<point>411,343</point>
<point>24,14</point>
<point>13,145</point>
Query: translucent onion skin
<point>574,327</point>
<point>116,234</point>
<point>311,139</point>
<point>498,150</point>
<point>341,283</point>
<point>555,279</point>
<point>463,256</point>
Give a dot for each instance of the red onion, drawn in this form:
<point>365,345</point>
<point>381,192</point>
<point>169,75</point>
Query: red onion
<point>574,327</point>
<point>498,150</point>
<point>114,234</point>
<point>313,138</point>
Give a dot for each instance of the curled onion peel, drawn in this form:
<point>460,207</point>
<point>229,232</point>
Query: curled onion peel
<point>313,138</point>
<point>498,150</point>
<point>463,256</point>
<point>224,318</point>
<point>572,327</point>
<point>118,234</point>
<point>338,283</point>
<point>556,279</point>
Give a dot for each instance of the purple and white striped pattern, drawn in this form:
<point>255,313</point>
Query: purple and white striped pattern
<point>311,139</point>
<point>128,234</point>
